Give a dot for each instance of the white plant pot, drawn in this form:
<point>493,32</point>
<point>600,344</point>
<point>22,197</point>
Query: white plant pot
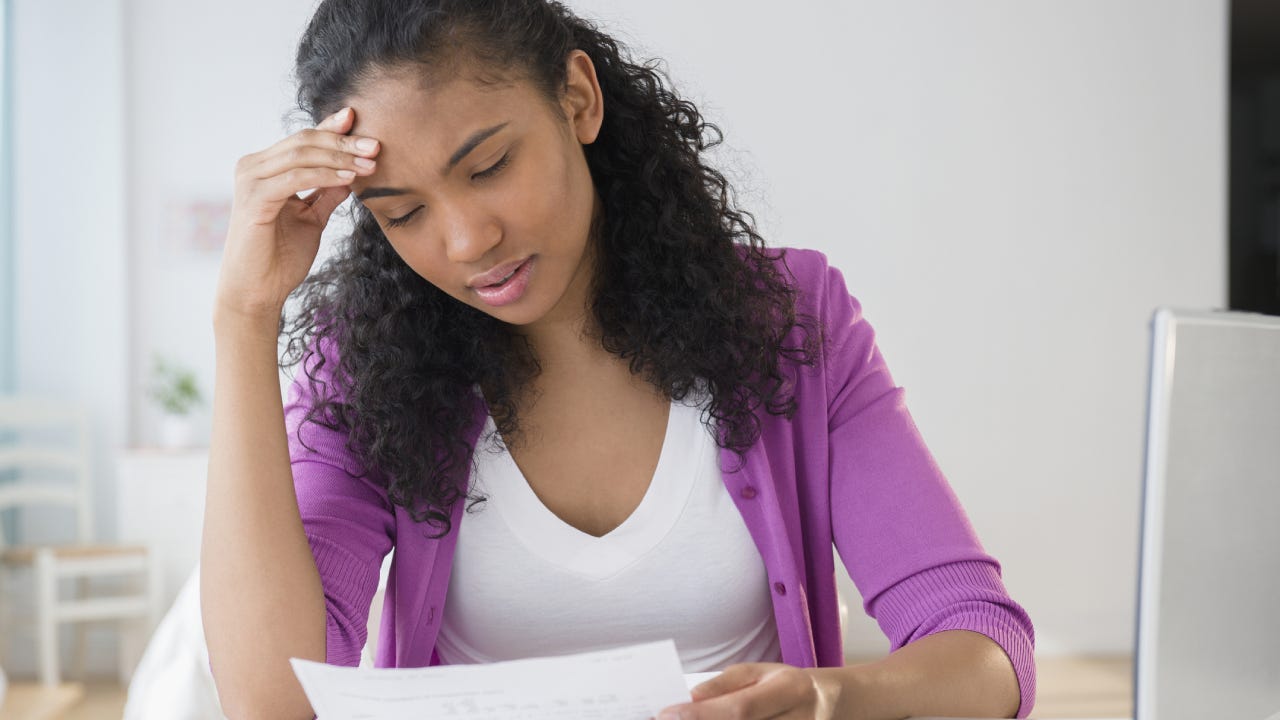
<point>176,431</point>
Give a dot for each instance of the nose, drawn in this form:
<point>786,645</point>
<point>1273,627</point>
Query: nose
<point>470,232</point>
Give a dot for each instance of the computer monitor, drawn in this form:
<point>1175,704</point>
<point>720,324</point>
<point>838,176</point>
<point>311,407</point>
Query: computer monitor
<point>1208,631</point>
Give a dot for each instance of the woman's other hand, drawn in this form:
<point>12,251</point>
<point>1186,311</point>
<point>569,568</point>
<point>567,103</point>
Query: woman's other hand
<point>274,235</point>
<point>762,690</point>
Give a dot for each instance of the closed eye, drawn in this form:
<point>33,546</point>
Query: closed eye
<point>403,219</point>
<point>485,174</point>
<point>493,169</point>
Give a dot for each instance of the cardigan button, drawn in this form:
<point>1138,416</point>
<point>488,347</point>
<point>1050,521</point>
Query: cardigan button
<point>748,492</point>
<point>780,588</point>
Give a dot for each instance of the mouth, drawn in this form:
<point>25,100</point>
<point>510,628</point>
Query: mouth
<point>506,283</point>
<point>497,276</point>
<point>504,280</point>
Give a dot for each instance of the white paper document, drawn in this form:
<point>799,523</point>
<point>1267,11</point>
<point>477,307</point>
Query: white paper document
<point>627,683</point>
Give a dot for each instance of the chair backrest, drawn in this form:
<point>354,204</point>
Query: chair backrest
<point>44,458</point>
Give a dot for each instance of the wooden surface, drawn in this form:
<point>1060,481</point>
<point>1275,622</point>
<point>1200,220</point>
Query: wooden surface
<point>1084,687</point>
<point>103,700</point>
<point>26,555</point>
<point>33,701</point>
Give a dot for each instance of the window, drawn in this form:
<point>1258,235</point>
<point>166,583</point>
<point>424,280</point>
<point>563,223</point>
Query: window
<point>7,279</point>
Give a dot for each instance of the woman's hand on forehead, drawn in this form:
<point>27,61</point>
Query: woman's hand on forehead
<point>284,196</point>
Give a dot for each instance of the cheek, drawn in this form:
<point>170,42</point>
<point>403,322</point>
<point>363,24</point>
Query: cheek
<point>550,199</point>
<point>427,261</point>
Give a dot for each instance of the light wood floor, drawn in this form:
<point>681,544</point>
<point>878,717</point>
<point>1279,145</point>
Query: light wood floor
<point>1099,687</point>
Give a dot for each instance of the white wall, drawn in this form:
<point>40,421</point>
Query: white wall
<point>69,220</point>
<point>71,329</point>
<point>207,85</point>
<point>1010,186</point>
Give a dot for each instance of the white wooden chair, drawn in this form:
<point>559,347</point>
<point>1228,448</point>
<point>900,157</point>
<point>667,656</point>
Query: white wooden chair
<point>44,461</point>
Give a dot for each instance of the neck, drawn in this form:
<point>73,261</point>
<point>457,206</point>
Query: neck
<point>564,345</point>
<point>565,338</point>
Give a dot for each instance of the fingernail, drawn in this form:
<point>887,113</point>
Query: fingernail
<point>365,163</point>
<point>341,114</point>
<point>366,144</point>
<point>346,174</point>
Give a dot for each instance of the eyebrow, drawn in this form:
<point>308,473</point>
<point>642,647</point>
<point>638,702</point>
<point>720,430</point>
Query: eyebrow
<point>463,150</point>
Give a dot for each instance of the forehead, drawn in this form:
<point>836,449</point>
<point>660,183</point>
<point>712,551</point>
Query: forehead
<point>403,107</point>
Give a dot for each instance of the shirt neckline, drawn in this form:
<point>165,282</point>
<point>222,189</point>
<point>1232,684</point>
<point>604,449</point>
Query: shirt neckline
<point>564,545</point>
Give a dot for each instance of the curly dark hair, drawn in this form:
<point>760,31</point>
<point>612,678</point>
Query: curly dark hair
<point>684,290</point>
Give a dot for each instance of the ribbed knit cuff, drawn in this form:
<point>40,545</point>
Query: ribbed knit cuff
<point>347,594</point>
<point>962,596</point>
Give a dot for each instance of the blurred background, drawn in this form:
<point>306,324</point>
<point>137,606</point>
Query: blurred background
<point>1011,187</point>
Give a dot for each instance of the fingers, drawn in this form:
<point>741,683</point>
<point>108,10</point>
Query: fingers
<point>335,128</point>
<point>320,157</point>
<point>324,201</point>
<point>756,691</point>
<point>733,678</point>
<point>339,122</point>
<point>291,182</point>
<point>312,152</point>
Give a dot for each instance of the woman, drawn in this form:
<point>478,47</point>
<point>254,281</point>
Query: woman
<point>558,372</point>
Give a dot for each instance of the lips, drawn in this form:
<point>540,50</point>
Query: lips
<point>497,275</point>
<point>508,288</point>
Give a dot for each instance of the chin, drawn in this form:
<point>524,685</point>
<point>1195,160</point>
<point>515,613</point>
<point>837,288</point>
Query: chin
<point>517,314</point>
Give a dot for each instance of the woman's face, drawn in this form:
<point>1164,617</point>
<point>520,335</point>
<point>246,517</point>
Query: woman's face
<point>484,189</point>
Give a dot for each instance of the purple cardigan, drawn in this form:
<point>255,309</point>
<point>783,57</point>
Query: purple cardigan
<point>849,470</point>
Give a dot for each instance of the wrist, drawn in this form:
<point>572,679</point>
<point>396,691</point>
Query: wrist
<point>240,320</point>
<point>862,692</point>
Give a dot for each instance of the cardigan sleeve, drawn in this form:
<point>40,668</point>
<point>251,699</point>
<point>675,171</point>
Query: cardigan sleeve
<point>897,524</point>
<point>348,519</point>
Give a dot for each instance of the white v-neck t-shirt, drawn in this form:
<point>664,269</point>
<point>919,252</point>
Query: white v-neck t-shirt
<point>681,566</point>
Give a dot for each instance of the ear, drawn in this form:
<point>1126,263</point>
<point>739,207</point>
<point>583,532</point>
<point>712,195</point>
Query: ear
<point>582,101</point>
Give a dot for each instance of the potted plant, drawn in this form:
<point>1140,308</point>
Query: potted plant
<point>175,390</point>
